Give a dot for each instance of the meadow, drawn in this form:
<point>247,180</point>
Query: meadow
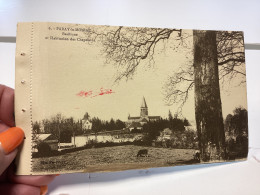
<point>114,158</point>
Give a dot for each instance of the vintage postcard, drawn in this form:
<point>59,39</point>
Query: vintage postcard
<point>111,98</point>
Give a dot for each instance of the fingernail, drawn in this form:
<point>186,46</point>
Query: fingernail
<point>11,138</point>
<point>44,190</point>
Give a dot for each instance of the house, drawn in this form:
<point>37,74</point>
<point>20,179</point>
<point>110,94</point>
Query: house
<point>86,124</point>
<point>50,139</point>
<point>190,128</point>
<point>165,135</point>
<point>135,126</point>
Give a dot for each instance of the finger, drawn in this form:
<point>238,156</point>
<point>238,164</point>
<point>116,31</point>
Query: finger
<point>7,105</point>
<point>9,141</point>
<point>6,159</point>
<point>18,189</point>
<point>32,180</point>
<point>3,127</point>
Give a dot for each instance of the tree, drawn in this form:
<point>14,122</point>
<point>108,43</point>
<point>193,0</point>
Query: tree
<point>112,124</point>
<point>208,109</point>
<point>236,128</point>
<point>170,118</point>
<point>227,124</point>
<point>35,133</point>
<point>186,122</point>
<point>36,127</point>
<point>239,121</point>
<point>96,124</point>
<point>152,129</point>
<point>217,55</point>
<point>86,116</point>
<point>237,124</point>
<point>119,124</point>
<point>177,124</point>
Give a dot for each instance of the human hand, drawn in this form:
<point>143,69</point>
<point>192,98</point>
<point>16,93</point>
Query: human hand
<point>10,138</point>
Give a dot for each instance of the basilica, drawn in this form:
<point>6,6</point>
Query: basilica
<point>136,122</point>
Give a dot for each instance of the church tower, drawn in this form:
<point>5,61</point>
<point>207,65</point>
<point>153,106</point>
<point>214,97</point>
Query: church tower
<point>144,109</point>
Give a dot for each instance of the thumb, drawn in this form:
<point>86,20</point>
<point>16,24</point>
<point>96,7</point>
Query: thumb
<point>9,141</point>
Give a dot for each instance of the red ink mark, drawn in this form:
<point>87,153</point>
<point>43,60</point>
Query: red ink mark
<point>95,94</point>
<point>101,91</point>
<point>104,91</point>
<point>84,93</point>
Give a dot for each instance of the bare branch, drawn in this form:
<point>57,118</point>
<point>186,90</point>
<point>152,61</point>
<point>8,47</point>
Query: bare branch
<point>126,47</point>
<point>178,87</point>
<point>231,55</point>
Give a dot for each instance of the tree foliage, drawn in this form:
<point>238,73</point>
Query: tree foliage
<point>236,129</point>
<point>36,126</point>
<point>237,123</point>
<point>152,129</point>
<point>102,125</point>
<point>62,128</point>
<point>86,116</point>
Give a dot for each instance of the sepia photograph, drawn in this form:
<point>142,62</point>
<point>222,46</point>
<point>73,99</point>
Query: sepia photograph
<point>107,98</point>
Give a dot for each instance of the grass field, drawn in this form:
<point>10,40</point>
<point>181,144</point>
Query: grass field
<point>113,159</point>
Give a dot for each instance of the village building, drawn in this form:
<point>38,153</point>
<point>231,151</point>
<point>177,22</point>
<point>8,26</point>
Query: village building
<point>115,136</point>
<point>47,138</point>
<point>137,126</point>
<point>137,122</point>
<point>165,135</point>
<point>86,124</point>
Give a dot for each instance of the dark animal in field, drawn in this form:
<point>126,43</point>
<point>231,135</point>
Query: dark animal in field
<point>196,155</point>
<point>142,153</point>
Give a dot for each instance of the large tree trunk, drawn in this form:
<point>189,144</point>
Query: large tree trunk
<point>208,109</point>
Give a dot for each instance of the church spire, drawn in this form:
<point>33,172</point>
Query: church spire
<point>144,109</point>
<point>144,105</point>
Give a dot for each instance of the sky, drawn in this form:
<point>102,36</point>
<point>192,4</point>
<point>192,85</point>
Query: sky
<point>72,78</point>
